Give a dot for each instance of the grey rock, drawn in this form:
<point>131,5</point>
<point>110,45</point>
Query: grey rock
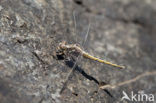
<point>121,31</point>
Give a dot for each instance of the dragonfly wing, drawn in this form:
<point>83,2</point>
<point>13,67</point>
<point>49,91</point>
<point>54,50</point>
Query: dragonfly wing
<point>74,64</point>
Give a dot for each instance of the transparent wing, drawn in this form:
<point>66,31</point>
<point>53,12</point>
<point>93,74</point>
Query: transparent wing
<point>78,58</point>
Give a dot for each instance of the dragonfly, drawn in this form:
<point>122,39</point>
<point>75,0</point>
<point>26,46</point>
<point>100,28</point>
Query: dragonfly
<point>64,49</point>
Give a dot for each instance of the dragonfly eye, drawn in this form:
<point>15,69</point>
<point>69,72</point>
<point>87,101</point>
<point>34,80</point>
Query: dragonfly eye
<point>62,45</point>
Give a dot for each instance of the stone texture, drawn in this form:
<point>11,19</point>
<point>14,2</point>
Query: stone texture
<point>122,31</point>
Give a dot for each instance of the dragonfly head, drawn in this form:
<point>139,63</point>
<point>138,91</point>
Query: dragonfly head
<point>62,45</point>
<point>60,52</point>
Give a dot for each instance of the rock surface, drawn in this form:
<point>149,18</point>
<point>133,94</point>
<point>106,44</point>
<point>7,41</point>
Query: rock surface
<point>122,31</point>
